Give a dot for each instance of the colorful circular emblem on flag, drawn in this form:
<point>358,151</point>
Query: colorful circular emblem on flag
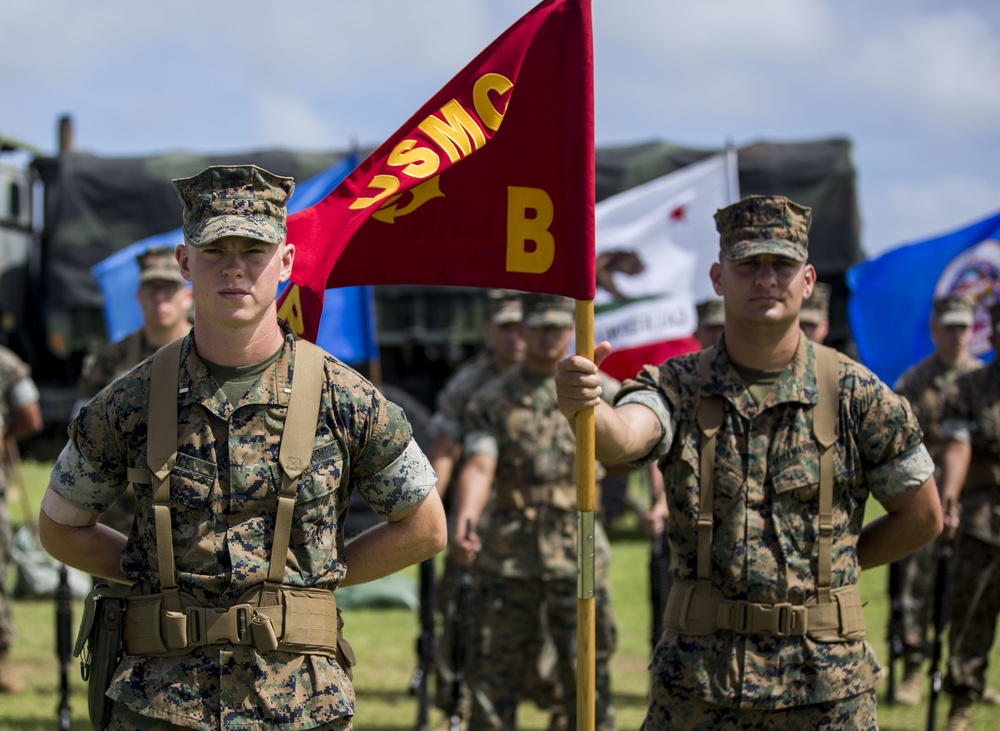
<point>975,273</point>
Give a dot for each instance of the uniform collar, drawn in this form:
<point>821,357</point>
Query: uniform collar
<point>796,384</point>
<point>196,385</point>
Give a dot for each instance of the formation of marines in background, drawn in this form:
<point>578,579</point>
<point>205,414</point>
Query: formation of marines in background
<point>763,482</point>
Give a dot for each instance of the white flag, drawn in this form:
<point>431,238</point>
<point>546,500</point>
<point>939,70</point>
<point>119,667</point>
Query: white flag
<point>655,244</point>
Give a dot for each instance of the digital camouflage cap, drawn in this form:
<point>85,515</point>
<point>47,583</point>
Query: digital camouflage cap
<point>547,310</point>
<point>237,200</point>
<point>817,307</point>
<point>764,224</point>
<point>159,265</point>
<point>505,306</point>
<point>953,310</point>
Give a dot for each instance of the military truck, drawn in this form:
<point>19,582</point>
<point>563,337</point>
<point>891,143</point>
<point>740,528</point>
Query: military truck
<point>93,206</point>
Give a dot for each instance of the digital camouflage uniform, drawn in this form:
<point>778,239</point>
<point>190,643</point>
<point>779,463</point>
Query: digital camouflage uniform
<point>972,414</point>
<point>17,390</point>
<point>529,555</point>
<point>100,369</point>
<point>765,535</point>
<point>925,385</point>
<point>157,264</point>
<point>448,419</point>
<point>224,496</point>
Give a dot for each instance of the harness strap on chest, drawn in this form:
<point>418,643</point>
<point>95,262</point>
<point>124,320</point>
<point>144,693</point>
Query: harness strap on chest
<point>710,410</point>
<point>294,456</point>
<point>825,421</point>
<point>161,456</point>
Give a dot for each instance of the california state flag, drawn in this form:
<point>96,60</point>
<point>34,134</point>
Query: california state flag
<point>655,244</point>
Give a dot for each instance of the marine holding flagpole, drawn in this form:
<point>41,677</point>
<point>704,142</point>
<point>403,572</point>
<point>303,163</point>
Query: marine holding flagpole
<point>769,447</point>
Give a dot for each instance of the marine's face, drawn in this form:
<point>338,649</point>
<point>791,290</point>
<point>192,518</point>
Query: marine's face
<point>545,346</point>
<point>164,304</point>
<point>817,332</point>
<point>235,279</point>
<point>950,340</point>
<point>507,342</point>
<point>762,289</point>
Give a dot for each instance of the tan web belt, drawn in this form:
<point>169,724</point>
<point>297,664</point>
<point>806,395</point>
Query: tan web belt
<point>305,622</point>
<point>694,609</point>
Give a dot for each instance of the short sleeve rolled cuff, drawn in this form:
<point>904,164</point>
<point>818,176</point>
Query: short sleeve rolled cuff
<point>956,430</point>
<point>24,393</point>
<point>900,475</point>
<point>81,484</point>
<point>481,442</point>
<point>654,401</point>
<point>401,485</point>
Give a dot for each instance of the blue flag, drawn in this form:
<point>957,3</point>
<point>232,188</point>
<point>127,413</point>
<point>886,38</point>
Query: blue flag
<point>347,327</point>
<point>890,305</point>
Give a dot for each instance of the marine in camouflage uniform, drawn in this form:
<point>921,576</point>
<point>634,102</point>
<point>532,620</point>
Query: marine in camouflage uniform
<point>165,301</point>
<point>764,627</point>
<point>224,486</point>
<point>520,455</point>
<point>20,417</point>
<point>925,385</point>
<point>505,346</point>
<point>971,494</point>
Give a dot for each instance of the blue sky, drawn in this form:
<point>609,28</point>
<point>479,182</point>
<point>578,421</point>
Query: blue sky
<point>914,83</point>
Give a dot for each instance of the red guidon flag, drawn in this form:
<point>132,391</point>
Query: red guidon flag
<point>489,184</point>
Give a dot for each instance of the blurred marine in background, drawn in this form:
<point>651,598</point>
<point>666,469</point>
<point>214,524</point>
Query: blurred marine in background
<point>925,386</point>
<point>20,417</point>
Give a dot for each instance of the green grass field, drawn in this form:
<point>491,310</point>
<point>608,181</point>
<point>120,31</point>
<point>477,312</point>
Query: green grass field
<point>385,641</point>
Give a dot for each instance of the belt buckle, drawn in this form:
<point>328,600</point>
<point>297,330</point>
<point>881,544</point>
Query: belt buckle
<point>784,619</point>
<point>212,626</point>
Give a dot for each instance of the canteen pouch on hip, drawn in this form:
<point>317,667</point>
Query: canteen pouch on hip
<point>100,642</point>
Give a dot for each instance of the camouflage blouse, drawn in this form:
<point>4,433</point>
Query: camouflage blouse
<point>17,390</point>
<point>224,492</point>
<point>766,517</point>
<point>925,385</point>
<point>114,359</point>
<point>516,419</point>
<point>972,414</point>
<point>452,399</point>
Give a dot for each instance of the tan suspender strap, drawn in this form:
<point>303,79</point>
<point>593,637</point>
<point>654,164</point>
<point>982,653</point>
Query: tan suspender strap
<point>710,410</point>
<point>297,440</point>
<point>161,455</point>
<point>825,419</point>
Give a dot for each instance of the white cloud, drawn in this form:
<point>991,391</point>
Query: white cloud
<point>943,69</point>
<point>913,210</point>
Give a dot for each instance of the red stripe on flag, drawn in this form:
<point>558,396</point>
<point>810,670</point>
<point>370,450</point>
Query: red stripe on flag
<point>622,364</point>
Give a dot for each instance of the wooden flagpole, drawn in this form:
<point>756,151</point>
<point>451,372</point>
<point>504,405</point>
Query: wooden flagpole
<point>585,535</point>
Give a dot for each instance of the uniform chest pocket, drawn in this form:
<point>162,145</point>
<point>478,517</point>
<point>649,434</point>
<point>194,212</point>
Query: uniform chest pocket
<point>797,479</point>
<point>324,474</point>
<point>729,478</point>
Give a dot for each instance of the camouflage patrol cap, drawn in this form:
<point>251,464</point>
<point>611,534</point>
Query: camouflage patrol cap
<point>764,224</point>
<point>547,310</point>
<point>817,307</point>
<point>954,310</point>
<point>239,200</point>
<point>505,306</point>
<point>159,265</point>
<point>711,313</point>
